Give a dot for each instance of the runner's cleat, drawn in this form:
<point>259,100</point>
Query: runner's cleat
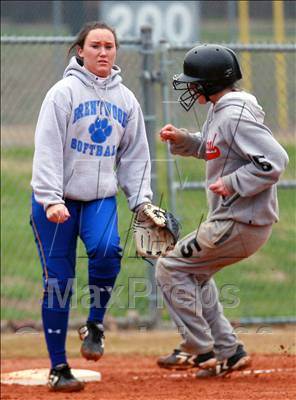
<point>180,360</point>
<point>240,360</point>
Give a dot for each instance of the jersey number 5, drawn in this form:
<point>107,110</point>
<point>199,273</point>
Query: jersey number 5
<point>187,249</point>
<point>260,162</point>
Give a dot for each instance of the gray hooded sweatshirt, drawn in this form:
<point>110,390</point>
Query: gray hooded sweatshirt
<point>90,138</point>
<point>240,148</point>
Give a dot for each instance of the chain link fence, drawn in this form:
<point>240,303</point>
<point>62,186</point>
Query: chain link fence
<point>268,75</point>
<point>30,66</point>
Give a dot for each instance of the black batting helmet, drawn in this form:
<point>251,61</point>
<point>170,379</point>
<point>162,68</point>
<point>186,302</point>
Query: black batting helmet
<point>211,68</point>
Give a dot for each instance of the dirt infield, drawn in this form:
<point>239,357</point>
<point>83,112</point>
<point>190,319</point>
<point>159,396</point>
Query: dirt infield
<point>129,375</point>
<point>138,378</point>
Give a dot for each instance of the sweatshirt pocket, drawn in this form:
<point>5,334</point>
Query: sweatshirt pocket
<point>213,233</point>
<point>88,181</point>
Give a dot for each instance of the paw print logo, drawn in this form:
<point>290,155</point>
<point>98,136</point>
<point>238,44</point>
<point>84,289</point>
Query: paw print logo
<point>100,130</point>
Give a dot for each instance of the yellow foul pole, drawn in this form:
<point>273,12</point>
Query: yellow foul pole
<point>244,36</point>
<point>280,65</point>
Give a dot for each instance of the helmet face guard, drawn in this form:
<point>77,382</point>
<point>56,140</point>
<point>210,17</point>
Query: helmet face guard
<point>191,92</point>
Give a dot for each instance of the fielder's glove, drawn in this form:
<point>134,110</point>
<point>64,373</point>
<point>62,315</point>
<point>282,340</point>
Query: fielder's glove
<point>156,231</point>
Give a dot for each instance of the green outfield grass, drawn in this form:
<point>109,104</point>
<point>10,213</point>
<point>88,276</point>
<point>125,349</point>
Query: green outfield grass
<point>263,285</point>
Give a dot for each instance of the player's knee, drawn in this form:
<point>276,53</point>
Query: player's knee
<point>105,250</point>
<point>105,260</point>
<point>101,268</point>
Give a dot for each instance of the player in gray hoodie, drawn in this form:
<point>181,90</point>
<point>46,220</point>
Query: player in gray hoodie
<point>90,138</point>
<point>243,164</point>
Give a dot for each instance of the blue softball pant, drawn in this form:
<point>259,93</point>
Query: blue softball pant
<point>96,223</point>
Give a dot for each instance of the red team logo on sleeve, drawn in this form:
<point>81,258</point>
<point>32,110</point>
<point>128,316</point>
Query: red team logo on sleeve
<point>212,151</point>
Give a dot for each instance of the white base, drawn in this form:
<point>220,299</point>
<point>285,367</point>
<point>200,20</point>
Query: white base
<point>34,377</point>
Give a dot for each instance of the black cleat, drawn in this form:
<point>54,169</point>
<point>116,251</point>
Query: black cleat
<point>61,380</point>
<point>92,336</point>
<point>180,360</point>
<point>240,360</point>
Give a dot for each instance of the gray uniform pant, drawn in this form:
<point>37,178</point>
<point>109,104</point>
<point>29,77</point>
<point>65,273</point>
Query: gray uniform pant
<point>190,293</point>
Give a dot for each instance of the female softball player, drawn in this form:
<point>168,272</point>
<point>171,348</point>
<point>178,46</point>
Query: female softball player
<point>243,164</point>
<point>90,138</point>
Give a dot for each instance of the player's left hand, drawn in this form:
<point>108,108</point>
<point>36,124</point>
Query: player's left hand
<point>220,188</point>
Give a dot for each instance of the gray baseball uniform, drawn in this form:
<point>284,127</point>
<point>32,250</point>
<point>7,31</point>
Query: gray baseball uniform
<point>238,147</point>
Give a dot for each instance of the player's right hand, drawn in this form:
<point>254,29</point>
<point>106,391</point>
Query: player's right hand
<point>57,213</point>
<point>171,133</point>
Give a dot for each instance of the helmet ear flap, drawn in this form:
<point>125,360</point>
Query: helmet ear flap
<point>238,73</point>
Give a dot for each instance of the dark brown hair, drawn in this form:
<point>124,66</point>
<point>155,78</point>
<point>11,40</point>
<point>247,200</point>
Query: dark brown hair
<point>89,26</point>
